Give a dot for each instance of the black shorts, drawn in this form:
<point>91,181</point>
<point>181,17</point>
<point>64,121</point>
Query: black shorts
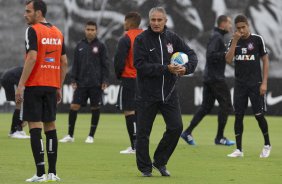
<point>241,95</point>
<point>81,95</point>
<point>9,90</point>
<point>126,95</point>
<point>40,104</point>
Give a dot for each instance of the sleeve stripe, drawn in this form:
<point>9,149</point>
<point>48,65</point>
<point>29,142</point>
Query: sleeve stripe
<point>26,39</point>
<point>263,44</point>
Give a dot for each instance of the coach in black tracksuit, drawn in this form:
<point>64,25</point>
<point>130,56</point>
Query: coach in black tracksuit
<point>155,78</point>
<point>215,86</point>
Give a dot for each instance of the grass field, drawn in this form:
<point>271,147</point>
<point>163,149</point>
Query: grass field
<point>101,163</point>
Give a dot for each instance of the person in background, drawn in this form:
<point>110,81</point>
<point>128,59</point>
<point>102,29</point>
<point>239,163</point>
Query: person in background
<point>126,72</point>
<point>247,50</point>
<point>89,75</point>
<point>9,82</point>
<point>214,86</point>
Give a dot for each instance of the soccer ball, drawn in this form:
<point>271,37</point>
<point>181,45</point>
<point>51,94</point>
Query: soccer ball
<point>179,58</point>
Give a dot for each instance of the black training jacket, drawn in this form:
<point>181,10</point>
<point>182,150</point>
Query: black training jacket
<point>215,63</point>
<point>152,53</point>
<point>90,66</point>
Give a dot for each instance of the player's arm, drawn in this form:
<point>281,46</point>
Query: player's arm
<point>265,67</point>
<point>231,51</point>
<point>75,68</point>
<point>31,55</point>
<point>105,67</point>
<point>121,54</point>
<point>63,72</point>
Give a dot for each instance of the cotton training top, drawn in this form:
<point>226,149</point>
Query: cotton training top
<point>247,59</point>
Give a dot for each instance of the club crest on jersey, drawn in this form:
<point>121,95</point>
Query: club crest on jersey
<point>169,48</point>
<point>95,50</point>
<point>250,46</point>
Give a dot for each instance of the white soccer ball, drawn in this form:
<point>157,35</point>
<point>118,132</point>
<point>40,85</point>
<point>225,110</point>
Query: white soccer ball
<point>179,58</point>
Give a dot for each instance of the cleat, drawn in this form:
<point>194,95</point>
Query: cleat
<point>128,150</point>
<point>161,169</point>
<point>147,174</point>
<point>67,138</point>
<point>265,151</point>
<point>224,141</point>
<point>19,135</point>
<point>236,153</point>
<point>36,178</point>
<point>89,140</point>
<point>188,138</point>
<point>53,177</point>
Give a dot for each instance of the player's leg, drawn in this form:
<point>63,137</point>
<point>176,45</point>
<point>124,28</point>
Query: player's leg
<point>95,95</point>
<point>240,104</point>
<point>130,119</point>
<point>259,108</point>
<point>207,105</point>
<point>222,94</point>
<point>147,112</point>
<point>10,96</point>
<point>172,116</point>
<point>49,117</point>
<point>78,97</point>
<point>32,112</point>
<point>127,101</point>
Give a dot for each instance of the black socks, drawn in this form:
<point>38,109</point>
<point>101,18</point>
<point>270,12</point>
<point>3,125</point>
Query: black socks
<point>37,150</point>
<point>72,119</point>
<point>52,149</point>
<point>94,121</point>
<point>264,128</point>
<point>131,128</point>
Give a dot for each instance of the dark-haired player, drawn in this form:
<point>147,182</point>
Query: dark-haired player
<point>90,72</point>
<point>40,85</point>
<point>126,72</point>
<point>247,50</point>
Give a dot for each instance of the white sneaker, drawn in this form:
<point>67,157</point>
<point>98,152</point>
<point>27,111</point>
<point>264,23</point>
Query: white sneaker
<point>53,177</point>
<point>36,178</point>
<point>67,138</point>
<point>128,150</point>
<point>265,151</point>
<point>89,139</point>
<point>19,135</point>
<point>236,153</point>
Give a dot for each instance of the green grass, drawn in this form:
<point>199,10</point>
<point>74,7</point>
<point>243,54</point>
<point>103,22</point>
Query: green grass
<point>101,163</point>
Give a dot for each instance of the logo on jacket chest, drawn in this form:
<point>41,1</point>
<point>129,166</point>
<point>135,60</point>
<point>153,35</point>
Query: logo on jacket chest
<point>169,48</point>
<point>95,50</point>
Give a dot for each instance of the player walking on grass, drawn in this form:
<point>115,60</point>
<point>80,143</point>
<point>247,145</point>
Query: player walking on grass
<point>156,77</point>
<point>215,86</point>
<point>40,84</point>
<point>90,72</point>
<point>126,72</point>
<point>250,82</point>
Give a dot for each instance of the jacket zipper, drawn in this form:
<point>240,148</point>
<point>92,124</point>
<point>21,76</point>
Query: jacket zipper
<point>162,64</point>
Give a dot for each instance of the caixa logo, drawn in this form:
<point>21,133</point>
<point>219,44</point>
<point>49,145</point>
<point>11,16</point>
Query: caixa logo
<point>49,59</point>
